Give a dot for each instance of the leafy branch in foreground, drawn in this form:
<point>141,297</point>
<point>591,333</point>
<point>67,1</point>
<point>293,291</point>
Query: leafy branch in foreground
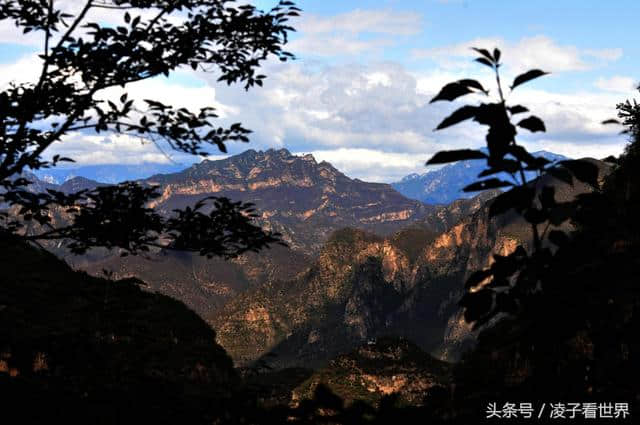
<point>510,282</point>
<point>118,216</point>
<point>83,62</point>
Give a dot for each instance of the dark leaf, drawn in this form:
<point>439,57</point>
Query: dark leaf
<point>611,121</point>
<point>487,184</point>
<point>457,155</point>
<point>462,114</point>
<point>532,124</point>
<point>451,92</point>
<point>472,83</point>
<point>547,197</point>
<point>518,198</point>
<point>505,266</point>
<point>561,213</point>
<point>561,174</point>
<point>527,76</point>
<point>539,163</point>
<point>583,170</point>
<point>505,165</point>
<point>532,162</point>
<point>484,62</point>
<point>496,55</point>
<point>517,109</point>
<point>485,53</point>
<point>521,154</point>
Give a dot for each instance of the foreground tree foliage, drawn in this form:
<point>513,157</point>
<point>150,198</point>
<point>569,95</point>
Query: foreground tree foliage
<point>558,316</point>
<point>82,58</point>
<point>513,280</point>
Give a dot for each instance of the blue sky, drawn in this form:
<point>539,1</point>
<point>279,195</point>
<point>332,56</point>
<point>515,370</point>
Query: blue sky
<point>358,93</point>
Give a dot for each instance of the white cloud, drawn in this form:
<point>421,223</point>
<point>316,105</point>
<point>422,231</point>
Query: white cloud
<point>108,149</point>
<point>376,106</point>
<point>93,148</point>
<point>359,21</point>
<point>341,34</point>
<point>24,70</point>
<point>529,52</point>
<point>618,84</point>
<point>576,150</point>
<point>333,45</point>
<point>374,121</point>
<point>10,34</point>
<point>372,165</point>
<point>177,95</point>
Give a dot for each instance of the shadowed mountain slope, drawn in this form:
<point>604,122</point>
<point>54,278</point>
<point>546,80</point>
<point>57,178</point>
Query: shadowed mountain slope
<point>89,350</point>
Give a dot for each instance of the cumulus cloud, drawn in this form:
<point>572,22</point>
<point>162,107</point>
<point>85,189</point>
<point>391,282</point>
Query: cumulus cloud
<point>358,21</point>
<point>372,122</point>
<point>336,44</point>
<point>170,93</point>
<point>342,34</point>
<point>529,52</point>
<point>356,115</point>
<point>112,149</point>
<point>26,69</point>
<point>371,165</point>
<point>93,148</point>
<point>376,106</point>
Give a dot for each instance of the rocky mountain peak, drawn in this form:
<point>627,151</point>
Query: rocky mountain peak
<point>256,166</point>
<point>283,153</point>
<point>294,194</point>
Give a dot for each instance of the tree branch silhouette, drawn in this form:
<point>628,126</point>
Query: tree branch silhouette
<point>89,57</point>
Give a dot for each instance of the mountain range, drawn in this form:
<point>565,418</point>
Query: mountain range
<point>363,286</point>
<point>444,185</point>
<point>304,200</point>
<point>363,260</point>
<point>106,173</point>
<point>301,198</point>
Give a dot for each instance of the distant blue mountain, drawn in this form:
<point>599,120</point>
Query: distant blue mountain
<point>108,173</point>
<point>444,185</point>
